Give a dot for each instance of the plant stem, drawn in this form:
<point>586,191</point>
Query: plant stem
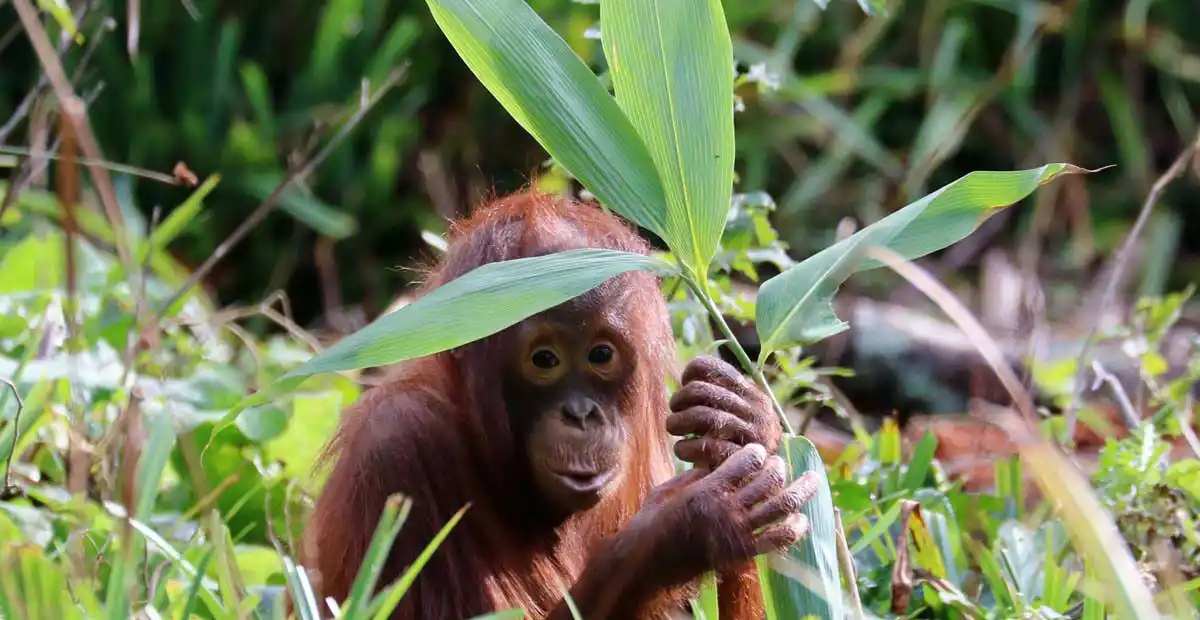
<point>743,358</point>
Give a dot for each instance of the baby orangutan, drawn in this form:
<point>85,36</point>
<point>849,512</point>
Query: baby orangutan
<point>553,431</point>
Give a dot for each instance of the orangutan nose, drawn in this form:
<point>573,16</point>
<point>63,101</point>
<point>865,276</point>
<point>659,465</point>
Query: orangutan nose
<point>581,411</point>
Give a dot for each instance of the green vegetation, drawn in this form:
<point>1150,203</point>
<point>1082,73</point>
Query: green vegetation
<point>161,445</point>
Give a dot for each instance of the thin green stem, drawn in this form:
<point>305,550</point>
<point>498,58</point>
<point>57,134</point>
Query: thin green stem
<point>743,358</point>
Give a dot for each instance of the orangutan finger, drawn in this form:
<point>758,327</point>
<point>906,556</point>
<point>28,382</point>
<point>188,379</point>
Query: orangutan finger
<point>709,369</point>
<point>705,451</point>
<point>789,502</point>
<point>766,483</point>
<point>709,422</point>
<point>782,535</point>
<point>744,463</point>
<point>715,397</point>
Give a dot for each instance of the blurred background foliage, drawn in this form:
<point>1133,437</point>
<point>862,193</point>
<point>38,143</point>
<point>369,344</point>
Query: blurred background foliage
<point>843,115</point>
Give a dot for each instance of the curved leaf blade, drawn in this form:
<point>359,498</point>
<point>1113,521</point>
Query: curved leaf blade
<point>805,581</point>
<point>473,306</point>
<point>672,68</point>
<point>795,307</point>
<point>552,94</point>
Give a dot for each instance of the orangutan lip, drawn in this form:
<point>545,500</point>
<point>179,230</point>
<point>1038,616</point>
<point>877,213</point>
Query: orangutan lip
<point>584,481</point>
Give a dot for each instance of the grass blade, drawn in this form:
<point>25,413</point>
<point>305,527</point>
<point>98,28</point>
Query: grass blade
<point>389,599</point>
<point>395,513</point>
<point>149,471</point>
<point>178,220</point>
<point>672,69</point>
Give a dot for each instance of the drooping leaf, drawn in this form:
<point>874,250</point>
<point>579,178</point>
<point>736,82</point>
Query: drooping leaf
<point>805,581</point>
<point>476,305</point>
<point>671,63</point>
<point>795,307</point>
<point>534,74</point>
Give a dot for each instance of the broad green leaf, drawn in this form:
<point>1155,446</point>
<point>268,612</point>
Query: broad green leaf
<point>814,559</point>
<point>671,63</point>
<point>548,90</point>
<point>258,564</point>
<point>476,305</point>
<point>35,263</point>
<point>314,419</point>
<point>795,307</point>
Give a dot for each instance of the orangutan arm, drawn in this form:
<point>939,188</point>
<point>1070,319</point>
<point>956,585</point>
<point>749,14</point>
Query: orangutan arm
<point>697,522</point>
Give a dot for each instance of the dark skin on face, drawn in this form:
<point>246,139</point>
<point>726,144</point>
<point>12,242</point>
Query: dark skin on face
<point>556,433</point>
<point>566,376</point>
<point>734,503</point>
<point>563,386</point>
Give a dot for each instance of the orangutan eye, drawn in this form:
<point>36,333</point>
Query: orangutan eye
<point>545,359</point>
<point>600,354</point>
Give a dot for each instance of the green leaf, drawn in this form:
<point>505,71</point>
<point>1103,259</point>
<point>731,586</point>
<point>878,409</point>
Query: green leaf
<point>548,90</point>
<point>258,564</point>
<point>149,472</point>
<point>395,513</point>
<point>795,307</point>
<point>177,221</point>
<point>476,305</point>
<point>705,606</point>
<point>921,463</point>
<point>812,583</point>
<point>392,595</point>
<point>36,263</point>
<point>671,63</point>
<point>314,420</point>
